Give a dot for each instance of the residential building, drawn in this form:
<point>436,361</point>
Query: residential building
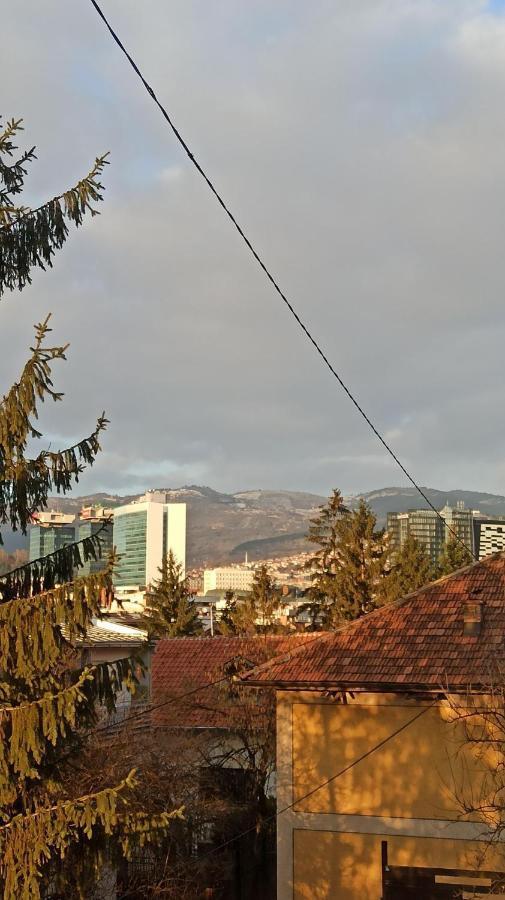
<point>50,531</point>
<point>108,640</point>
<point>143,532</point>
<point>489,534</point>
<point>93,521</point>
<point>374,765</point>
<point>228,578</point>
<point>223,751</point>
<point>428,528</point>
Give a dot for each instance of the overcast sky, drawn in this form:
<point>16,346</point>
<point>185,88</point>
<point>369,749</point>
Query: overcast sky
<point>361,144</point>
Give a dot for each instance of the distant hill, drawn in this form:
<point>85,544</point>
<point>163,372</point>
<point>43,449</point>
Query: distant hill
<point>400,499</point>
<point>264,524</point>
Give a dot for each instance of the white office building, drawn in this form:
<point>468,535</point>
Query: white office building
<point>489,535</point>
<point>228,578</point>
<point>143,532</point>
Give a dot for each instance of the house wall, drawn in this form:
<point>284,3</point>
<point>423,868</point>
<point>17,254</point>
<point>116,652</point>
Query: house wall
<point>329,845</point>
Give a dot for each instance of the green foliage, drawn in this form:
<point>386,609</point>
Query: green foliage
<point>410,569</point>
<point>349,565</point>
<point>455,556</point>
<point>26,483</point>
<point>30,237</point>
<point>47,705</point>
<point>53,830</point>
<point>256,613</point>
<point>169,610</point>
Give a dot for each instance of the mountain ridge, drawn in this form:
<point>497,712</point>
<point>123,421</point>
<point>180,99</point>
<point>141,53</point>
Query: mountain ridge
<point>222,526</point>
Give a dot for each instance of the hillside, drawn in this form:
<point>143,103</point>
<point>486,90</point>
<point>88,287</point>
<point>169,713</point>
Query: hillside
<point>400,499</point>
<point>265,524</point>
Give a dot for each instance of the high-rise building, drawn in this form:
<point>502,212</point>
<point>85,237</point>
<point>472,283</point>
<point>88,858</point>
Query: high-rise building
<point>50,531</point>
<point>92,519</point>
<point>143,532</point>
<point>432,529</point>
<point>489,534</point>
<point>424,524</point>
<point>459,523</point>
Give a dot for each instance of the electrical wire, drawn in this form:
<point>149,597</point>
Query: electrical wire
<point>196,690</point>
<point>323,784</point>
<point>271,277</point>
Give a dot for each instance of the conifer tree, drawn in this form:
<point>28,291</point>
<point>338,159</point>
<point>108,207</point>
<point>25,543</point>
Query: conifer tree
<point>362,565</point>
<point>410,569</point>
<point>169,610</point>
<point>454,556</point>
<point>257,612</point>
<point>350,564</point>
<point>323,531</point>
<point>47,705</point>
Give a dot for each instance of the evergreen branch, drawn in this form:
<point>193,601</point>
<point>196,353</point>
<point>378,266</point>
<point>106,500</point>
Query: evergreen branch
<point>28,842</point>
<point>27,730</point>
<point>51,570</point>
<point>27,483</point>
<point>32,238</point>
<point>11,129</point>
<point>76,200</point>
<point>20,403</point>
<point>31,639</point>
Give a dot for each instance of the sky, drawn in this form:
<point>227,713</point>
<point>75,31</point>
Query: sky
<point>361,146</point>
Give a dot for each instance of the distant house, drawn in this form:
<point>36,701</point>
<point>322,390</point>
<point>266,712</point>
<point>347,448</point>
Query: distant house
<point>221,740</point>
<point>108,640</point>
<point>184,664</point>
<point>372,760</point>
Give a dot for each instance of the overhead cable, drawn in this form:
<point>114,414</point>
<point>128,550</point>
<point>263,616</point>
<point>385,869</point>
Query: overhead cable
<point>273,281</point>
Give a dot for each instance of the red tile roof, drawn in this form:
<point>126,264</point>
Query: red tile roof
<point>417,642</point>
<point>182,664</point>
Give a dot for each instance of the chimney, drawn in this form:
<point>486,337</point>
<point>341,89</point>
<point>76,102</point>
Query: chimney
<point>472,617</point>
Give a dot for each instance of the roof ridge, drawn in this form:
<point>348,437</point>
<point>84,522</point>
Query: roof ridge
<point>374,613</point>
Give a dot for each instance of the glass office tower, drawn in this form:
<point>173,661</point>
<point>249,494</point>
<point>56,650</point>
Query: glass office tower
<point>143,532</point>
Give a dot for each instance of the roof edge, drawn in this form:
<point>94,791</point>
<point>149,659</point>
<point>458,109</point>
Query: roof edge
<point>321,635</point>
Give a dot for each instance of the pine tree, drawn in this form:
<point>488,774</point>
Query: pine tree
<point>169,610</point>
<point>410,569</point>
<point>323,531</point>
<point>455,556</point>
<point>47,706</point>
<point>257,612</point>
<point>362,565</point>
<point>350,564</point>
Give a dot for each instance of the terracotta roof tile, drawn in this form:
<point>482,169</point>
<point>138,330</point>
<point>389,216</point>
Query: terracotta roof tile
<point>417,641</point>
<point>182,664</point>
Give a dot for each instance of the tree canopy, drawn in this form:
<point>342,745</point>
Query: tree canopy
<point>255,612</point>
<point>349,565</point>
<point>454,556</point>
<point>410,569</point>
<point>169,610</point>
<point>47,703</point>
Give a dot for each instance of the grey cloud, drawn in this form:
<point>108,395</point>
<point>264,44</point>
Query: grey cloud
<point>361,146</point>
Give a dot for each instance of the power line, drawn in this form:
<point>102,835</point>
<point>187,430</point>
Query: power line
<point>150,709</point>
<point>270,276</point>
<point>195,690</point>
<point>323,784</point>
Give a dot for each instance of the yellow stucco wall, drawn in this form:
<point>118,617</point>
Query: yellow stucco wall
<point>417,774</point>
<point>406,792</point>
<point>348,866</point>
